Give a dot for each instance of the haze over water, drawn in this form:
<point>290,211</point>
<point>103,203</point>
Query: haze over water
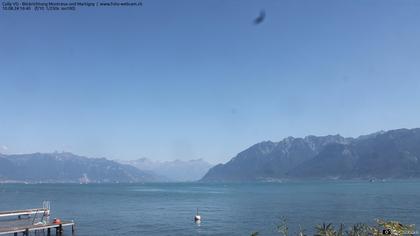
<point>226,209</point>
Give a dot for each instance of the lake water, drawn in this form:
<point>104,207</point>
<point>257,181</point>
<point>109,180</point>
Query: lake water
<point>226,209</point>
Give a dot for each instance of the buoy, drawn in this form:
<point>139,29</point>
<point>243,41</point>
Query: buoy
<point>197,217</point>
<point>56,221</point>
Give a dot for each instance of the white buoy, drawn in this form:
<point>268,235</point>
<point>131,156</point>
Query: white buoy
<point>197,217</point>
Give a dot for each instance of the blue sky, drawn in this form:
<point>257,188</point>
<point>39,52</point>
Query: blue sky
<point>196,79</point>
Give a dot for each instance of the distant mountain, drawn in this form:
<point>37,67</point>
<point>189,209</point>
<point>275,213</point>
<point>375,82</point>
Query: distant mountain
<point>174,170</point>
<point>391,154</point>
<point>271,160</point>
<point>68,168</point>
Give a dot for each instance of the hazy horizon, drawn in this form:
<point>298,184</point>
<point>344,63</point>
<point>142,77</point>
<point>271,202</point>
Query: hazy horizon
<point>193,79</point>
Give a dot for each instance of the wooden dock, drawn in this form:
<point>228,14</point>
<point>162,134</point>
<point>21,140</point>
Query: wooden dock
<point>24,212</point>
<point>37,221</point>
<point>25,230</point>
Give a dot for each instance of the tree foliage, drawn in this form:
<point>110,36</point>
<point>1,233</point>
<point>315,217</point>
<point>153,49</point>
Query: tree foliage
<point>394,228</point>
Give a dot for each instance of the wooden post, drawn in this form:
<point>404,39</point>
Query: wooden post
<point>72,229</point>
<point>27,232</point>
<point>49,232</point>
<point>15,234</point>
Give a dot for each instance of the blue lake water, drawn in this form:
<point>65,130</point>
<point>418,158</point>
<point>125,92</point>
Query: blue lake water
<point>226,209</point>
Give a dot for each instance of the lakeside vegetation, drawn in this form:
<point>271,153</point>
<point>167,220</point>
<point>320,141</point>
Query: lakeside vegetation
<point>381,228</point>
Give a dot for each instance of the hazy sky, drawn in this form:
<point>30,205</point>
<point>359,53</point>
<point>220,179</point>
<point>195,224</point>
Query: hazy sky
<point>196,79</point>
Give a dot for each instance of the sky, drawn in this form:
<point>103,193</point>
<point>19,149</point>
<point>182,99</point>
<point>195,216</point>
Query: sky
<point>197,79</point>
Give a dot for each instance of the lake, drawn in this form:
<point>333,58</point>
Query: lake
<point>226,209</point>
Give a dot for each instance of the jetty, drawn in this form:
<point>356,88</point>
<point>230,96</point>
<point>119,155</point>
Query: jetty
<point>20,213</point>
<point>34,220</point>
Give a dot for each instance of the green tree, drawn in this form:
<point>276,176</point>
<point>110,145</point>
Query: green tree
<point>359,230</point>
<point>283,228</point>
<point>325,230</point>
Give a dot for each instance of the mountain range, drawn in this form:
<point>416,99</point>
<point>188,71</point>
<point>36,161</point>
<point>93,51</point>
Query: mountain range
<point>177,170</point>
<point>381,155</point>
<point>68,168</point>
